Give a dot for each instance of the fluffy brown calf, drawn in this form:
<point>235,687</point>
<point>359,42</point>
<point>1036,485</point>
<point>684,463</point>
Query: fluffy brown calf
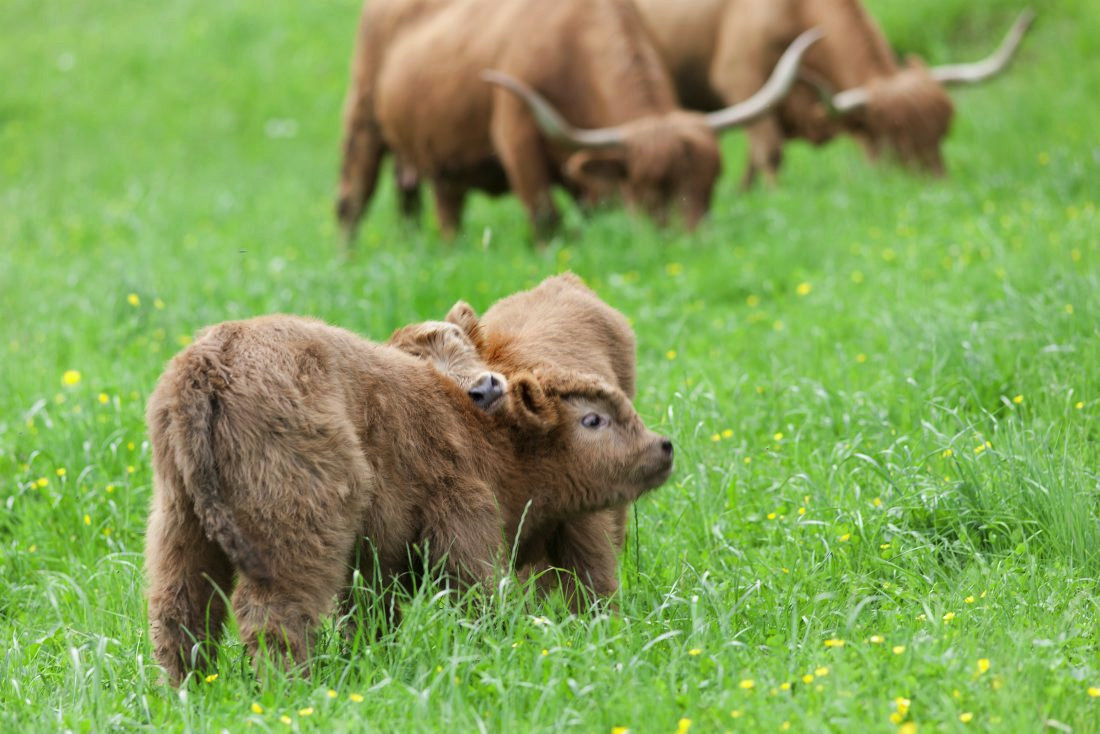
<point>720,50</point>
<point>560,324</point>
<point>280,444</point>
<point>419,90</point>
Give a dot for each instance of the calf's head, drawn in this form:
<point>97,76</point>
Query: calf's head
<point>450,349</point>
<point>581,437</point>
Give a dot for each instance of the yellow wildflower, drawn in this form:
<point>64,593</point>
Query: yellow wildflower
<point>877,639</point>
<point>801,510</point>
<point>331,693</point>
<point>778,436</point>
<point>753,300</point>
<point>983,665</point>
<point>966,717</point>
<point>804,289</point>
<point>257,708</point>
<point>70,377</point>
<point>133,300</point>
<point>694,651</point>
<point>834,642</point>
<point>737,713</point>
<point>103,399</point>
<point>727,433</point>
<point>748,684</point>
<point>861,357</point>
<point>210,678</point>
<point>356,698</point>
<point>307,711</point>
<point>285,719</point>
<point>907,728</point>
<point>771,515</point>
<point>1094,691</point>
<point>748,459</point>
<point>670,354</point>
<point>785,686</point>
<point>60,472</point>
<point>821,672</point>
<point>715,437</point>
<point>808,678</point>
<point>897,649</point>
<point>1018,399</point>
<point>1080,404</point>
<point>845,538</point>
<point>620,730</point>
<point>682,726</point>
<point>88,521</point>
<point>969,599</point>
<point>948,617</point>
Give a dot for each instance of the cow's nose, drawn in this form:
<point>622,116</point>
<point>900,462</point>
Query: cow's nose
<point>486,392</point>
<point>666,446</point>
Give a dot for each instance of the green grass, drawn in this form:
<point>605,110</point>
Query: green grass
<point>883,391</point>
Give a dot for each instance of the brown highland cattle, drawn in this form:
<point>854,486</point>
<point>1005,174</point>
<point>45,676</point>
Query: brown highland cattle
<point>719,51</point>
<point>560,324</point>
<point>284,449</point>
<point>418,89</point>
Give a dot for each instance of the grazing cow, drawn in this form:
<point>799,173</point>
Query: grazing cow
<point>280,444</point>
<point>719,51</point>
<point>559,324</point>
<point>419,90</point>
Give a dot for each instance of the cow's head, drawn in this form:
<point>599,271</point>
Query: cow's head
<point>452,351</point>
<point>659,163</point>
<point>908,113</point>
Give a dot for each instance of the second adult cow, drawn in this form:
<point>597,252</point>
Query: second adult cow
<point>581,99</point>
<point>719,51</point>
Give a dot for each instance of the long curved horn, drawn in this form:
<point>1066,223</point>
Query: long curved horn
<point>550,121</point>
<point>994,64</point>
<point>773,91</point>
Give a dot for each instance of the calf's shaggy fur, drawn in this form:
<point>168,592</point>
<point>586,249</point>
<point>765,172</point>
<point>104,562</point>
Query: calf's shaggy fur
<point>560,324</point>
<point>281,445</point>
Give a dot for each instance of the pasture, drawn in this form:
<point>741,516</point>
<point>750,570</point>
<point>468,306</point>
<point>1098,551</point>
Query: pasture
<point>883,392</point>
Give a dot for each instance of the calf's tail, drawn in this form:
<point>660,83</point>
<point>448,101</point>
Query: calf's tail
<point>193,419</point>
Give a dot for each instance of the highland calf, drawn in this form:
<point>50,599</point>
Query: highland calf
<point>284,449</point>
<point>719,51</point>
<point>560,324</point>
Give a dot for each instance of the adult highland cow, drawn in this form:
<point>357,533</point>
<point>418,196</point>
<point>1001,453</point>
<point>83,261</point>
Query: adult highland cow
<point>719,51</point>
<point>578,96</point>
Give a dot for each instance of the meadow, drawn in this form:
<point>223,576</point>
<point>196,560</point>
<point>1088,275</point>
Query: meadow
<point>883,390</point>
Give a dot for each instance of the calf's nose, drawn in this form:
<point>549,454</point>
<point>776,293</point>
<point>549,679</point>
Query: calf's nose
<point>486,392</point>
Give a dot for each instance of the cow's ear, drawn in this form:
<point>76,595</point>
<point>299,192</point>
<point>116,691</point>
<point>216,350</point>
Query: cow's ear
<point>465,317</point>
<point>531,408</point>
<point>600,167</point>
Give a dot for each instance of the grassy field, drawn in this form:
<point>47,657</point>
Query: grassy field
<point>883,390</point>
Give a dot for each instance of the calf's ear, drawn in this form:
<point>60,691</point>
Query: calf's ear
<point>465,317</point>
<point>531,407</point>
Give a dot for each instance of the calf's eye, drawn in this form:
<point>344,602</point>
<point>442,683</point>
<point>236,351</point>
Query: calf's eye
<point>592,420</point>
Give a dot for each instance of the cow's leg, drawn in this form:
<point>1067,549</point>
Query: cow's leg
<point>585,546</point>
<point>309,569</point>
<point>741,66</point>
<point>765,152</point>
<point>521,149</point>
<point>189,577</point>
<point>363,150</point>
<point>449,200</point>
<point>465,527</point>
<point>408,190</point>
